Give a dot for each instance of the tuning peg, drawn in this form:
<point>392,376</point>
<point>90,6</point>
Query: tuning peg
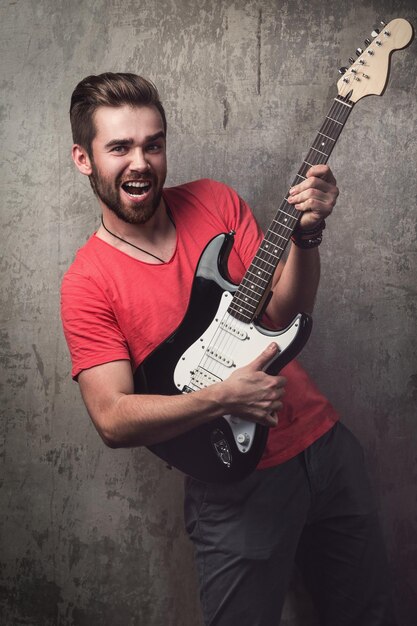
<point>343,70</point>
<point>359,52</point>
<point>367,42</point>
<point>377,28</point>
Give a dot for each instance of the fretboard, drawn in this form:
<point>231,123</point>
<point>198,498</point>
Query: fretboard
<point>251,291</point>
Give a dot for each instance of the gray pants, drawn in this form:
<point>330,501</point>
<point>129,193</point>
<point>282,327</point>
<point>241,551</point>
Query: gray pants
<point>317,510</point>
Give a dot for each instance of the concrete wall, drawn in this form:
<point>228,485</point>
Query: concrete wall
<point>95,536</point>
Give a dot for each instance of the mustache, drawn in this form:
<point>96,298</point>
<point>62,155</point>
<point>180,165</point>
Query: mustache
<point>135,178</point>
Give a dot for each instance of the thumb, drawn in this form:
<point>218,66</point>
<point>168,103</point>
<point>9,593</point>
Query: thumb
<point>263,359</point>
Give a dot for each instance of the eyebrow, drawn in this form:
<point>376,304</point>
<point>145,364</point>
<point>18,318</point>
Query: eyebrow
<point>129,142</point>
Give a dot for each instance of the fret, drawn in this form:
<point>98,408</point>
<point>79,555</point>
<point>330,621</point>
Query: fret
<point>274,240</point>
<point>285,213</point>
<point>271,254</point>
<point>245,298</point>
<point>248,301</point>
<point>321,144</point>
<point>316,158</point>
<point>342,112</point>
<point>277,246</point>
<point>267,241</point>
<point>282,236</point>
<point>330,118</point>
<point>241,313</point>
<point>274,243</point>
<point>275,255</point>
<point>265,261</point>
<point>327,137</point>
<point>330,130</point>
<point>242,305</point>
<point>326,155</point>
<point>249,283</point>
<point>304,169</point>
<point>251,291</point>
<point>344,103</point>
<point>285,225</point>
<point>256,276</point>
<point>335,115</point>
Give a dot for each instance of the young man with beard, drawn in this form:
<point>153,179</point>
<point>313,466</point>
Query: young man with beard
<point>128,289</point>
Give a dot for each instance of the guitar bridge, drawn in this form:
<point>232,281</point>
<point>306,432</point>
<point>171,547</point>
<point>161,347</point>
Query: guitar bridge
<point>221,447</point>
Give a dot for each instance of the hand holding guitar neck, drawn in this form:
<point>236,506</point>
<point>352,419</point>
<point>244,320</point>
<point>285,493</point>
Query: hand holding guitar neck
<point>315,196</point>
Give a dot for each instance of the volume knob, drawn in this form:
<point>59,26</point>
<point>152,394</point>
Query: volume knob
<point>243,439</point>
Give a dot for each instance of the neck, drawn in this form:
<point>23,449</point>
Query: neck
<point>153,241</point>
<point>158,223</point>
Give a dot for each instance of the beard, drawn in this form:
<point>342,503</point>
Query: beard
<point>109,193</point>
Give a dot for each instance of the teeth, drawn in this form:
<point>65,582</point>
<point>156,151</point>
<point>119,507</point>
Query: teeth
<point>143,184</point>
<point>136,189</point>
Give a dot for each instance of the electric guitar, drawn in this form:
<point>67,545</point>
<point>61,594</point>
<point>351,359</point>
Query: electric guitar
<point>221,330</point>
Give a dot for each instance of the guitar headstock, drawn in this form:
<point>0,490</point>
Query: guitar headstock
<point>368,74</point>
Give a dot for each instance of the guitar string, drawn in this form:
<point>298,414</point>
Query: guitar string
<point>326,128</point>
<point>333,114</point>
<point>222,341</point>
<point>338,111</point>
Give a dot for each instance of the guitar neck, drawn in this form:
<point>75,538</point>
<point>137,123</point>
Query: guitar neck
<point>256,282</point>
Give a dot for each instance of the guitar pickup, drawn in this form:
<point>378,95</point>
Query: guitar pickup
<point>234,330</point>
<point>201,378</point>
<point>219,357</point>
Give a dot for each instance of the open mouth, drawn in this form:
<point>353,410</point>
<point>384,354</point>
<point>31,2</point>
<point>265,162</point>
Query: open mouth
<point>136,188</point>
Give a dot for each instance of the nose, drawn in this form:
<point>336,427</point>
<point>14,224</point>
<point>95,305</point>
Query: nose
<point>138,161</point>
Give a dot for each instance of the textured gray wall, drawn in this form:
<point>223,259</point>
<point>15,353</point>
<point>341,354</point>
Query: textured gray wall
<point>94,536</point>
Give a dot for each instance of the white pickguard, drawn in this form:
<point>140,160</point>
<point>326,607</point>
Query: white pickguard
<point>226,345</point>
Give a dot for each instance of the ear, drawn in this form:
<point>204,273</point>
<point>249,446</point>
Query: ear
<point>81,159</point>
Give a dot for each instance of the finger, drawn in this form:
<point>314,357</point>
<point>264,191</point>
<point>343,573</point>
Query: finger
<point>313,194</point>
<point>280,383</point>
<point>311,219</point>
<point>264,358</point>
<point>320,209</point>
<point>314,183</point>
<point>272,419</point>
<point>322,171</point>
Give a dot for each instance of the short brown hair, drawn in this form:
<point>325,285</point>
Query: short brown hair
<point>108,89</point>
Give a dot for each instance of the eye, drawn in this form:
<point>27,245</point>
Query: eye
<point>154,147</point>
<point>119,149</point>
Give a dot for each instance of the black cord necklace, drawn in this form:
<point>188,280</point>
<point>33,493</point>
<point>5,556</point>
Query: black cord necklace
<point>131,244</point>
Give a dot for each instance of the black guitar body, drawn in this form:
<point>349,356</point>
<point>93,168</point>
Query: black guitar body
<point>209,452</point>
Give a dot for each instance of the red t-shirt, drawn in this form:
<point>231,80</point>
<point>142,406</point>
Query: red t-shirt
<point>116,307</point>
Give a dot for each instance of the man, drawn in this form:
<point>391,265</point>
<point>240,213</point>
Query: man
<point>128,290</point>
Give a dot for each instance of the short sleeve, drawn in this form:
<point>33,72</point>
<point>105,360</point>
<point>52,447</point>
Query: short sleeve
<point>90,327</point>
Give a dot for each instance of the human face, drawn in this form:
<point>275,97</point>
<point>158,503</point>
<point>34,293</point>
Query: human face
<point>128,161</point>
